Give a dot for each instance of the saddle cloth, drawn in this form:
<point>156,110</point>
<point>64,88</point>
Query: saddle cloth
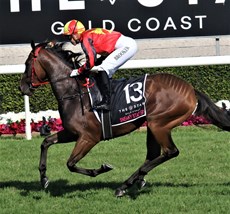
<point>127,99</point>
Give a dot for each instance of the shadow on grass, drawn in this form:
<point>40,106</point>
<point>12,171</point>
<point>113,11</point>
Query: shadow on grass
<point>134,191</point>
<point>61,187</point>
<point>56,188</point>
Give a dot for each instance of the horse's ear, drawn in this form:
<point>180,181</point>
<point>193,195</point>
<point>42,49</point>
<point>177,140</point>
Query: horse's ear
<point>224,106</point>
<point>50,44</point>
<point>32,44</point>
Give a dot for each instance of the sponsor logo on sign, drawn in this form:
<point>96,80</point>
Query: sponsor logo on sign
<point>80,4</point>
<point>156,19</point>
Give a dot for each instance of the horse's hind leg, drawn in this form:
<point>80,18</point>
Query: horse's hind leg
<point>153,151</point>
<point>162,137</point>
<point>60,137</point>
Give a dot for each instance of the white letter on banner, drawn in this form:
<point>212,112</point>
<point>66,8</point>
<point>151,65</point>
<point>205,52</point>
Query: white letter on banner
<point>58,28</point>
<point>129,25</point>
<point>71,5</point>
<point>157,24</point>
<point>192,2</point>
<point>150,3</point>
<point>183,21</point>
<point>201,20</point>
<point>14,6</point>
<point>89,24</point>
<point>220,1</point>
<point>170,23</point>
<point>36,5</point>
<point>108,21</point>
<point>112,2</point>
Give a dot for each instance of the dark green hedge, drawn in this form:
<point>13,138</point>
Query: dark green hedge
<point>213,80</point>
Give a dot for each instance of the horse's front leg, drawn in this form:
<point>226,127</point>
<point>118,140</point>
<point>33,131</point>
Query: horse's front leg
<point>60,137</point>
<point>82,147</point>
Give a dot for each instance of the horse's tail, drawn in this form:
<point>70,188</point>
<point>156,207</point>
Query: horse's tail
<point>208,109</point>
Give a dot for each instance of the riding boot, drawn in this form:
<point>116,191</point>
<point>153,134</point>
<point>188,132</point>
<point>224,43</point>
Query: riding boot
<point>104,87</point>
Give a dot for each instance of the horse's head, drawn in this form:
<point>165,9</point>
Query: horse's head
<point>36,67</point>
<point>34,74</point>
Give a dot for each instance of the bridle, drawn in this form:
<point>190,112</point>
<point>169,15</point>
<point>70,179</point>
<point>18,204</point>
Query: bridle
<point>33,73</point>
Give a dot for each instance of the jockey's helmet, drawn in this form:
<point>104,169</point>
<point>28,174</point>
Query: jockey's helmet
<point>72,27</point>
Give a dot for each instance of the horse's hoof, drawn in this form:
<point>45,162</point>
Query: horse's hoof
<point>106,167</point>
<point>120,193</point>
<point>141,183</point>
<point>45,182</point>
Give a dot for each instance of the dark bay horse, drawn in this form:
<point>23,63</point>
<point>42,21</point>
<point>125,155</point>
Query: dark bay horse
<point>169,101</point>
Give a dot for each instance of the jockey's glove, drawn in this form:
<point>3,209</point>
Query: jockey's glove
<point>75,73</point>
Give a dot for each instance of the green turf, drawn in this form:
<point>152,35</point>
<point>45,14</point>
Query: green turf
<point>195,182</point>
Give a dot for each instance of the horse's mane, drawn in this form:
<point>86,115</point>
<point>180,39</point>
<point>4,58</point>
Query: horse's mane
<point>66,56</point>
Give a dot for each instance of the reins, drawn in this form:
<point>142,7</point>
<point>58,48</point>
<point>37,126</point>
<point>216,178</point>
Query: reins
<point>79,94</point>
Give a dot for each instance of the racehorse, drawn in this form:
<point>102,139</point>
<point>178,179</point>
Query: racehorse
<point>169,101</point>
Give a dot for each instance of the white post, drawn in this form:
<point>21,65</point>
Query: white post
<point>28,117</point>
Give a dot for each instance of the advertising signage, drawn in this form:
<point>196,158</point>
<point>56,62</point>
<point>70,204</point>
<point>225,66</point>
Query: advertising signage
<point>38,20</point>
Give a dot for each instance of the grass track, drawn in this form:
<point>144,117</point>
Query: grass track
<point>195,182</point>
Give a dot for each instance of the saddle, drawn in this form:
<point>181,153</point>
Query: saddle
<point>127,102</point>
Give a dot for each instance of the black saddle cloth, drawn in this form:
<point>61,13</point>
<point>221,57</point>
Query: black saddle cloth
<point>127,99</point>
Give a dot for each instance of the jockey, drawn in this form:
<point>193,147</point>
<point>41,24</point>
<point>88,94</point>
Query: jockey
<point>114,48</point>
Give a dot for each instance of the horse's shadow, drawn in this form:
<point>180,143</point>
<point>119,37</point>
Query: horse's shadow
<point>56,188</point>
<point>61,187</point>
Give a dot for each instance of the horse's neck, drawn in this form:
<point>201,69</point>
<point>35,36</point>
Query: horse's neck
<point>56,68</point>
<point>58,73</point>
